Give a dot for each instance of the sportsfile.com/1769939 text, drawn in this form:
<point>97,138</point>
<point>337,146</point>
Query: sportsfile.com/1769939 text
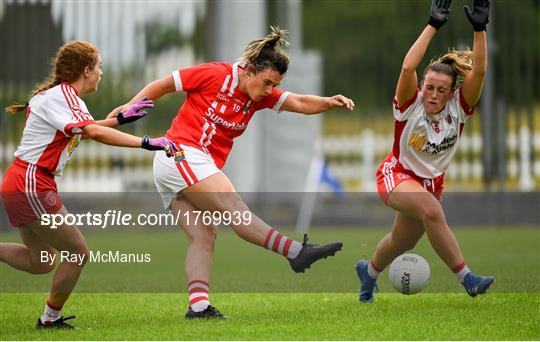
<point>119,219</point>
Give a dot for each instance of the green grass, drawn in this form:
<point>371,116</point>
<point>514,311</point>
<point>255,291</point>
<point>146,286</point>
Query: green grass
<point>273,316</point>
<point>265,300</point>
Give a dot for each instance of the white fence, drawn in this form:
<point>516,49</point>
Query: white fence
<point>354,159</point>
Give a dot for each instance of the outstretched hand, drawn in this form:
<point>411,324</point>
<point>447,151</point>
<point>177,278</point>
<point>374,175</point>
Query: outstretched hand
<point>479,17</point>
<point>114,112</point>
<point>439,13</point>
<point>157,144</point>
<point>341,101</point>
<point>135,112</point>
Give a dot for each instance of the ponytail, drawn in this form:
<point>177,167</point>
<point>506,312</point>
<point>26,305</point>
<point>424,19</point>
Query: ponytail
<point>47,84</point>
<point>14,108</point>
<point>455,64</point>
<point>267,52</point>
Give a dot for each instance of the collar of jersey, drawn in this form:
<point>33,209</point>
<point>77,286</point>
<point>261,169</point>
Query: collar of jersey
<point>72,87</point>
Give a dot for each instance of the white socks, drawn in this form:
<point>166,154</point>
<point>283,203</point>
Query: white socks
<point>461,271</point>
<point>51,313</point>
<point>372,271</point>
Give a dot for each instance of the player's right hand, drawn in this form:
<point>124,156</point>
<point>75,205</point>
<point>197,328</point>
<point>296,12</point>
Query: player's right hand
<point>114,112</point>
<point>439,13</point>
<point>135,112</point>
<point>158,144</point>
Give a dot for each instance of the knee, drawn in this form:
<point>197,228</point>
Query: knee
<point>432,214</point>
<point>40,266</point>
<point>43,267</point>
<point>82,252</point>
<point>231,202</point>
<point>209,236</point>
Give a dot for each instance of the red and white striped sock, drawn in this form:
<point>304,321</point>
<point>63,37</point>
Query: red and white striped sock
<point>282,244</point>
<point>51,313</point>
<point>372,270</point>
<point>461,271</point>
<point>198,295</point>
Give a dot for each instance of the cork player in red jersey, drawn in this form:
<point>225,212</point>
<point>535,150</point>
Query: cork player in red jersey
<point>221,100</point>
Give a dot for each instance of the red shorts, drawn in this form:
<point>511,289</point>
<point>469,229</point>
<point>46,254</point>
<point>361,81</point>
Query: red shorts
<point>391,173</point>
<point>28,191</point>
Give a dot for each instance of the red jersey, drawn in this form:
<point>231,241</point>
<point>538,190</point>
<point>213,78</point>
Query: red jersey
<point>215,111</point>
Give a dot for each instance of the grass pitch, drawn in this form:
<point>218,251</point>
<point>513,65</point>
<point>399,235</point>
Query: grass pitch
<point>265,300</point>
<point>287,316</point>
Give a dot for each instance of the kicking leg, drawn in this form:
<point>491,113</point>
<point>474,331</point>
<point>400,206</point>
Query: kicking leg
<point>216,193</point>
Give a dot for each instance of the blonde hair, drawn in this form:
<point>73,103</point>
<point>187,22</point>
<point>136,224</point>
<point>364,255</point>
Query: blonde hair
<point>455,64</point>
<point>267,52</point>
<point>67,65</point>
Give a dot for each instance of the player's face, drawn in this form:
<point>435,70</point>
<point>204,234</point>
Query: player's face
<point>95,75</point>
<point>437,90</point>
<point>262,83</point>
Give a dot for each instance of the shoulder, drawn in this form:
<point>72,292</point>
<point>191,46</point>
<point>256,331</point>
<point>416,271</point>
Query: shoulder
<point>43,98</point>
<point>459,104</point>
<point>410,103</point>
<point>413,107</point>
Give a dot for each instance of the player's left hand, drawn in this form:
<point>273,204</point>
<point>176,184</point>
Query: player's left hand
<point>479,17</point>
<point>157,144</point>
<point>341,101</point>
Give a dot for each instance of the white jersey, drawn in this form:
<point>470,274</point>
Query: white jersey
<point>423,143</point>
<point>54,118</point>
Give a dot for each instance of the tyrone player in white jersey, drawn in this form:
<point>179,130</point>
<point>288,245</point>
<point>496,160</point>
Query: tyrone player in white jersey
<point>56,120</point>
<point>428,125</point>
<point>221,99</point>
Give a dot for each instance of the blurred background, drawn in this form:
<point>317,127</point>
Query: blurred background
<point>354,48</point>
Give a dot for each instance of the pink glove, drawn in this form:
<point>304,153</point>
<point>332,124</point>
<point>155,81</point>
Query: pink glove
<point>159,144</point>
<point>135,112</point>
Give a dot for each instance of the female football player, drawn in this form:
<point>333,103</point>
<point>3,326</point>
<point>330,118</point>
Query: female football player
<point>428,125</point>
<point>56,119</point>
<point>221,100</point>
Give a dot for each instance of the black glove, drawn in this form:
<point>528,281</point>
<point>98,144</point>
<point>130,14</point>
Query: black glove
<point>439,13</point>
<point>479,16</point>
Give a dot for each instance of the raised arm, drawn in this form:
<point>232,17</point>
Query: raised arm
<point>311,104</point>
<point>408,79</point>
<point>473,83</point>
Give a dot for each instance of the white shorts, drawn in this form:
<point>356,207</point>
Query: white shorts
<point>172,177</point>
